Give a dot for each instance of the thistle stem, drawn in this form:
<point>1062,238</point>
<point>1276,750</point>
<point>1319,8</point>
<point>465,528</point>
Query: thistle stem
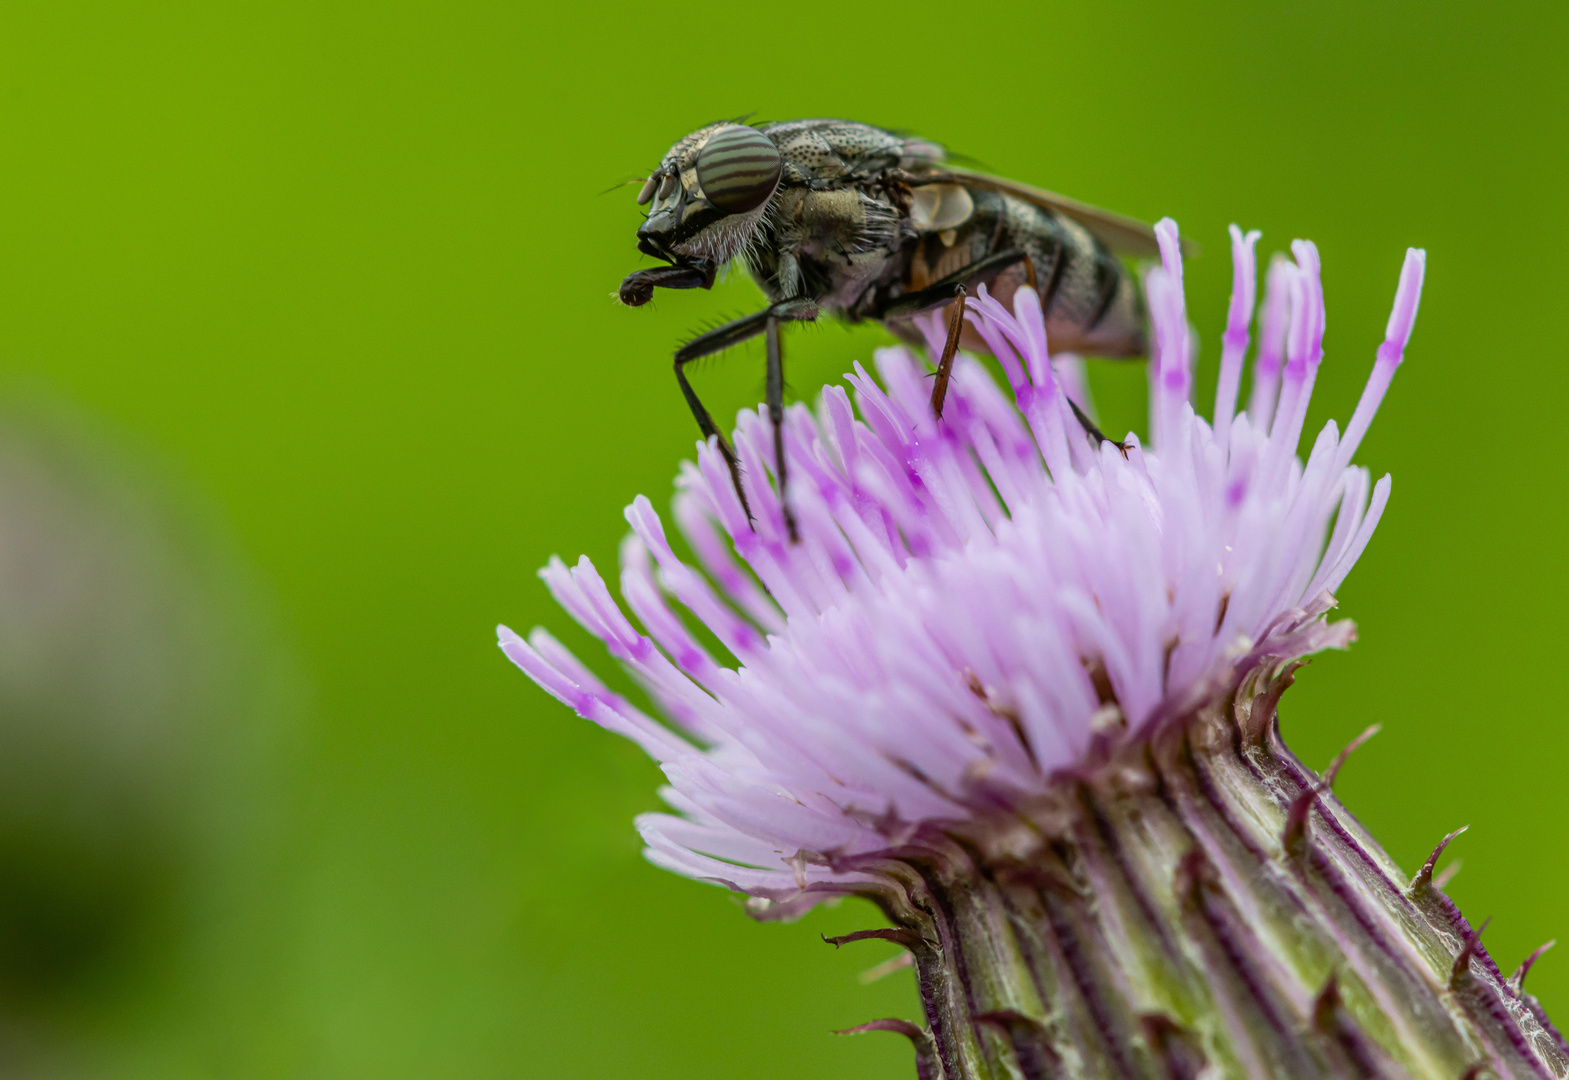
<point>1198,904</point>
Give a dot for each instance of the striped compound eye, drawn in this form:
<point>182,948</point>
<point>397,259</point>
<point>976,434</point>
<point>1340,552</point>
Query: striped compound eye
<point>738,169</point>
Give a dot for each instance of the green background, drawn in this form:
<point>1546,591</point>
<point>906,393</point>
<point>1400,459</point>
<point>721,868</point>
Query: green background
<point>341,273</point>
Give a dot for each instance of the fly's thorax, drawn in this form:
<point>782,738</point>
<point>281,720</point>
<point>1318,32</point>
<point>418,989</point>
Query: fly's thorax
<point>828,150</point>
<point>831,245</point>
<point>843,219</point>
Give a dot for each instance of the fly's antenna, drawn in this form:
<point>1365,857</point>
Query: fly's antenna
<point>624,183</point>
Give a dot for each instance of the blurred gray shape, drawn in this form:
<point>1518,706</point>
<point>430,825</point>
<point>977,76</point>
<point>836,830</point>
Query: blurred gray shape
<point>140,697</point>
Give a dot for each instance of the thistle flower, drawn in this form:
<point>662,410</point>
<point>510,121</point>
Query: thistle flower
<point>1019,690</point>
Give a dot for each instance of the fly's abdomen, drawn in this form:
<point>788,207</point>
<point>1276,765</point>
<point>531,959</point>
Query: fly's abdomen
<point>1093,304</point>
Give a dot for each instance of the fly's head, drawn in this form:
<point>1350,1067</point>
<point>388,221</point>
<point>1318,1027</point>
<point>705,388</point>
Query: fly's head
<point>704,203</point>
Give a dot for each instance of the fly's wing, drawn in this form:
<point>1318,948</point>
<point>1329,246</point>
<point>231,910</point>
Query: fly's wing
<point>1123,235</point>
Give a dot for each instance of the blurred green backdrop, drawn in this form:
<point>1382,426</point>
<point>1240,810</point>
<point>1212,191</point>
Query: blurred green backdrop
<point>338,275</point>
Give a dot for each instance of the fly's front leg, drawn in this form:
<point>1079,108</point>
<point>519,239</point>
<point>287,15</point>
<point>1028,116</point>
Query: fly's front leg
<point>638,288</point>
<point>776,415</point>
<point>719,339</point>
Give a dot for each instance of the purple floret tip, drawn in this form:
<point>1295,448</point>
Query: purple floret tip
<point>1234,344</point>
<point>1169,237</point>
<point>1408,297</point>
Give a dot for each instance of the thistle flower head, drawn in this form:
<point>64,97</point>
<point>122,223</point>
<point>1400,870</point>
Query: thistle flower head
<point>977,605</point>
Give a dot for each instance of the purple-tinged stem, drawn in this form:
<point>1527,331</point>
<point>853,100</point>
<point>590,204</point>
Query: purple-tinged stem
<point>1198,904</point>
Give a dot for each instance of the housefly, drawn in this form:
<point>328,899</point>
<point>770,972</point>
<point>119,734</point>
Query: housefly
<point>834,217</point>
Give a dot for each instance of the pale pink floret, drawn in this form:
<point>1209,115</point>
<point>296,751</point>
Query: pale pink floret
<point>952,576</point>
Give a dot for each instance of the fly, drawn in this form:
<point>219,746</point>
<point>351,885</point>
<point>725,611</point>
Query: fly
<point>834,217</point>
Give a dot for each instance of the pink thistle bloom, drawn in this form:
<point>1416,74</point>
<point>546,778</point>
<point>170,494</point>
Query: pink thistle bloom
<point>980,604</point>
<point>1019,689</point>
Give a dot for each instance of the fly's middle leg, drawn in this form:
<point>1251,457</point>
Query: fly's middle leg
<point>776,415</point>
<point>1094,432</point>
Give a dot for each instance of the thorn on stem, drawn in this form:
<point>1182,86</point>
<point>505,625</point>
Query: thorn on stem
<point>1360,1056</point>
<point>898,935</point>
<point>1294,835</point>
<point>1424,876</point>
<point>927,1065</point>
<point>914,1032</point>
<point>1517,980</point>
<point>1006,1019</point>
<point>1462,967</point>
<point>1179,1051</point>
<point>1351,747</point>
<point>1193,879</point>
<point>1032,1046</point>
<point>1326,1003</point>
<point>1295,832</point>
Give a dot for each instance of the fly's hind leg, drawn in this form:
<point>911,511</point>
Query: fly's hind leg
<point>945,289</point>
<point>721,338</point>
<point>953,289</point>
<point>950,349</point>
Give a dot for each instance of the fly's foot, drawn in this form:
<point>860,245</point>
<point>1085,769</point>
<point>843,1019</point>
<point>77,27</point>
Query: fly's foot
<point>635,292</point>
<point>1096,433</point>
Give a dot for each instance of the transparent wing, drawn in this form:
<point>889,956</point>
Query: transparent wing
<point>1123,235</point>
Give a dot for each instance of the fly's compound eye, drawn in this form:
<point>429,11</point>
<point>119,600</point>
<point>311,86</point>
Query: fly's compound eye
<point>738,169</point>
